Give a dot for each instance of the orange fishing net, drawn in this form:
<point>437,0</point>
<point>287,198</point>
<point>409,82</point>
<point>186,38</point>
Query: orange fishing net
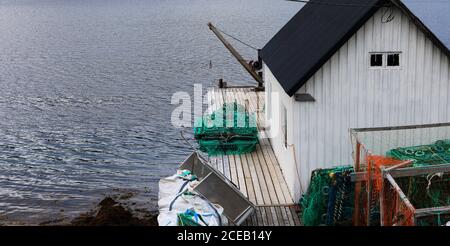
<point>393,210</point>
<point>396,212</point>
<point>375,164</point>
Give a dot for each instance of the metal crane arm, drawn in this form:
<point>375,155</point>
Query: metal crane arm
<point>236,55</point>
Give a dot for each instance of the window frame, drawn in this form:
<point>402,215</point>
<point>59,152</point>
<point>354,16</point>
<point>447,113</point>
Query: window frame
<point>387,59</point>
<point>385,55</point>
<point>376,54</point>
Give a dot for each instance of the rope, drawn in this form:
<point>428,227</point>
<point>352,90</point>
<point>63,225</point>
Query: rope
<point>184,185</point>
<point>237,39</point>
<point>219,218</point>
<point>296,168</point>
<point>187,141</point>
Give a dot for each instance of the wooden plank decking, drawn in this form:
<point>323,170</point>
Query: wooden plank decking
<point>257,175</point>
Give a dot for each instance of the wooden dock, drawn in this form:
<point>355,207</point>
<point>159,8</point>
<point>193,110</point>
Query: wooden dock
<point>257,175</point>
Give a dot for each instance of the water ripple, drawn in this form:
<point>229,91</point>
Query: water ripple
<point>86,88</point>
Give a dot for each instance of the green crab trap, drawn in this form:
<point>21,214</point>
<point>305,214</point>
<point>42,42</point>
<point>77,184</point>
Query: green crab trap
<point>329,199</point>
<point>423,155</point>
<point>402,175</point>
<point>228,130</point>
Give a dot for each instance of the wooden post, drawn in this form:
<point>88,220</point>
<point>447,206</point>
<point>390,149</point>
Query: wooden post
<point>358,156</point>
<point>382,198</point>
<point>384,190</point>
<point>357,185</point>
<point>369,190</point>
<point>247,106</point>
<point>222,84</point>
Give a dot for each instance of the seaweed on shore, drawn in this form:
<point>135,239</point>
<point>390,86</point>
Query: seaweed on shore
<point>112,213</point>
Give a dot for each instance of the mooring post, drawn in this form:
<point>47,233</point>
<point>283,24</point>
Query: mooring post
<point>222,84</point>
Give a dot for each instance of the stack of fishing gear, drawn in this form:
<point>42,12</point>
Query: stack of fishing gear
<point>431,190</point>
<point>329,199</point>
<point>423,155</point>
<point>229,130</point>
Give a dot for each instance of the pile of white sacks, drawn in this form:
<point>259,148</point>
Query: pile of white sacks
<point>176,196</point>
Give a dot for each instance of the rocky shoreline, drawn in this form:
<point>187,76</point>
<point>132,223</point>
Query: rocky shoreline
<point>112,210</point>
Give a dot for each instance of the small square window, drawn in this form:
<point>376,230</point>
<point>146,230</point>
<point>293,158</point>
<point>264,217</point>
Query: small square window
<point>376,60</point>
<point>393,60</point>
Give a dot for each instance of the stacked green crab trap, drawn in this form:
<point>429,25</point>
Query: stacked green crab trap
<point>427,191</point>
<point>423,155</point>
<point>329,199</point>
<point>229,130</point>
<point>400,192</point>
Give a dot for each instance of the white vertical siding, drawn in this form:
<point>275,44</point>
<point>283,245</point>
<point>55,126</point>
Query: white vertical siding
<point>285,156</point>
<point>350,94</point>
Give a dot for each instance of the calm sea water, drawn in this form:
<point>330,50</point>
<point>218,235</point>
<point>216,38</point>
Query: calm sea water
<point>85,89</point>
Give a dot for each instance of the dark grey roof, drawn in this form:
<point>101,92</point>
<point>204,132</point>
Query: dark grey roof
<point>319,29</point>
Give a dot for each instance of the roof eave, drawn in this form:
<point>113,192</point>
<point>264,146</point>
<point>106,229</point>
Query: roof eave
<point>334,49</point>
